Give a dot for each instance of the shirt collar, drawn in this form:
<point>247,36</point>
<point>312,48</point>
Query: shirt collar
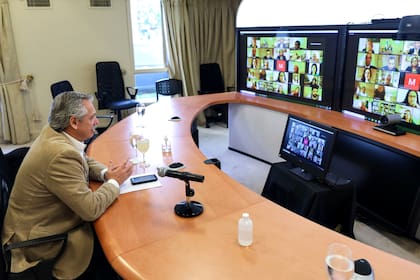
<point>80,146</point>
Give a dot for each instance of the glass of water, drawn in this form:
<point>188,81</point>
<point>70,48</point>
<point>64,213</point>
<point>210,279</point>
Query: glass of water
<point>133,137</point>
<point>339,262</point>
<point>140,110</point>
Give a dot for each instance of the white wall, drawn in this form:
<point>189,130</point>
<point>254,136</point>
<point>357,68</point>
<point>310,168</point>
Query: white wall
<point>65,41</point>
<point>321,12</point>
<point>247,121</point>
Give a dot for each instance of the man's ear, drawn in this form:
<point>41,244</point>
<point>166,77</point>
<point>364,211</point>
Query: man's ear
<point>74,122</point>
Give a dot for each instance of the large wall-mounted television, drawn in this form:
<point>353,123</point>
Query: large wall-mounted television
<point>382,76</point>
<point>309,146</point>
<point>296,64</point>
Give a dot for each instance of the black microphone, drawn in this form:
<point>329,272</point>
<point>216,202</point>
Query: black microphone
<point>185,176</point>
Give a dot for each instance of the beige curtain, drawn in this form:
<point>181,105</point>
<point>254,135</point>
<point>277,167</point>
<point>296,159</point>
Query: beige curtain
<point>200,32</point>
<point>14,126</point>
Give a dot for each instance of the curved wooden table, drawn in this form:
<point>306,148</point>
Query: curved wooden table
<point>144,239</point>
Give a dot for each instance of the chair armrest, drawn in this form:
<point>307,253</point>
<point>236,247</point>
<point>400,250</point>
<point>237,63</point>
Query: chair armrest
<point>132,92</point>
<point>36,241</point>
<point>110,118</point>
<point>43,268</point>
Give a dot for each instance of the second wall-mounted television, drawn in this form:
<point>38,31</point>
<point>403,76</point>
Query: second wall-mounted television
<point>382,76</point>
<point>297,64</point>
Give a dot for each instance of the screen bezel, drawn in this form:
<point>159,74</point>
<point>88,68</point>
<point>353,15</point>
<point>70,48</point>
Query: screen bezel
<point>329,36</point>
<point>317,170</point>
<point>349,81</point>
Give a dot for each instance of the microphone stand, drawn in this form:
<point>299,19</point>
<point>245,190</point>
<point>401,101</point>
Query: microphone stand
<point>188,208</point>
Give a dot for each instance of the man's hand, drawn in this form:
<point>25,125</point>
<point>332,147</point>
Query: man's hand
<point>120,172</point>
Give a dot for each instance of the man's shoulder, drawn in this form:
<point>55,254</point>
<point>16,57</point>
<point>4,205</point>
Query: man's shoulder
<point>51,142</point>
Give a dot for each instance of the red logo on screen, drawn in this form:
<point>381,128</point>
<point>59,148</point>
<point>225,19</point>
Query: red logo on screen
<point>281,65</point>
<point>412,81</point>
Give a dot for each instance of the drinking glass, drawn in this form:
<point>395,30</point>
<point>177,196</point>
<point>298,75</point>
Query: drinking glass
<point>143,144</point>
<point>166,144</point>
<point>133,138</point>
<point>140,110</point>
<point>339,262</point>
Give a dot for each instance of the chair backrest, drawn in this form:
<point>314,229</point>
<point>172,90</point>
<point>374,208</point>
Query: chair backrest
<point>169,86</point>
<point>110,83</point>
<point>211,79</point>
<point>5,187</point>
<point>59,87</point>
<point>9,165</point>
<point>4,197</point>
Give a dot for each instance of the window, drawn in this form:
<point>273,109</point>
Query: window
<point>38,3</point>
<point>100,3</point>
<point>148,47</point>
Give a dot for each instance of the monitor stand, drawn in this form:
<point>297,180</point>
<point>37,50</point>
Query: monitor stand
<point>302,173</point>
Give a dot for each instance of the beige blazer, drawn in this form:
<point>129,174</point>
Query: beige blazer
<point>51,195</point>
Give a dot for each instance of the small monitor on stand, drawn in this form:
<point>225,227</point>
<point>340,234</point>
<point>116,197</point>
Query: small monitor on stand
<point>308,146</point>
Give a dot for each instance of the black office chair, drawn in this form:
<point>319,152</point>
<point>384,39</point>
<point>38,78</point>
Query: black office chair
<point>211,81</point>
<point>110,84</point>
<point>59,87</point>
<point>9,164</point>
<point>65,85</point>
<point>168,87</point>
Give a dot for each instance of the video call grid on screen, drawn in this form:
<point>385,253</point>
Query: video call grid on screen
<point>284,65</point>
<point>306,141</point>
<point>387,78</point>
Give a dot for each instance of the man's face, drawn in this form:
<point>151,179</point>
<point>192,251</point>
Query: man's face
<point>315,94</point>
<point>367,74</point>
<point>391,63</point>
<point>86,126</point>
<point>368,58</point>
<point>369,45</point>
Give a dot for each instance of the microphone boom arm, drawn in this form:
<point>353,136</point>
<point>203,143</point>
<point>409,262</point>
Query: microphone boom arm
<point>189,192</point>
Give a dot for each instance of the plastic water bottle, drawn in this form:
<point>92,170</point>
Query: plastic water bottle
<point>245,230</point>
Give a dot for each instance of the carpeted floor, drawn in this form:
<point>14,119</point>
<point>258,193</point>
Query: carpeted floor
<point>252,173</point>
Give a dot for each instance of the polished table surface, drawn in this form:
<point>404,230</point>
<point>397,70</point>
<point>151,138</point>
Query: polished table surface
<point>144,239</point>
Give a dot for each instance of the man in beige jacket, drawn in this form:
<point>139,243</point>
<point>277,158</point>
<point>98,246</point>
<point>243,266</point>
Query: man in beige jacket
<point>51,193</point>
